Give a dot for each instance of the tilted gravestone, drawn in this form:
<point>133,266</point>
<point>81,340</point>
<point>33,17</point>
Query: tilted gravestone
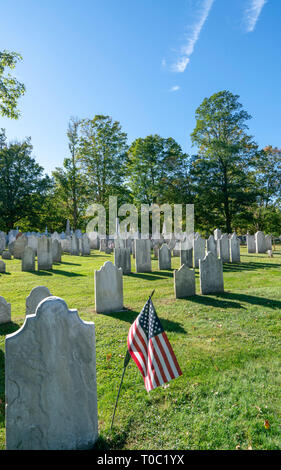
<point>211,245</point>
<point>28,259</point>
<point>2,267</point>
<point>184,282</point>
<point>108,288</point>
<point>19,245</point>
<point>260,242</point>
<point>198,250</point>
<point>50,381</point>
<point>211,274</point>
<point>44,253</point>
<point>251,243</point>
<point>164,257</point>
<point>122,259</point>
<point>5,311</point>
<point>36,295</point>
<point>223,248</point>
<point>143,258</point>
<point>56,251</point>
<point>234,248</point>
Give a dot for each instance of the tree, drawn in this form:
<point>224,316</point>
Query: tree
<point>10,88</point>
<point>222,172</point>
<point>23,187</point>
<point>102,151</point>
<point>156,170</point>
<point>70,185</point>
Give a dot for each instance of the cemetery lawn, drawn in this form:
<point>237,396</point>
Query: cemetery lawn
<point>228,347</point>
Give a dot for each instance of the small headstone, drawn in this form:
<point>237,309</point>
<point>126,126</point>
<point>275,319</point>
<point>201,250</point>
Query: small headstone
<point>2,267</point>
<point>32,241</point>
<point>211,274</point>
<point>56,251</point>
<point>164,260</point>
<point>217,234</point>
<point>122,259</point>
<point>108,288</point>
<point>6,255</point>
<point>35,297</point>
<point>5,311</point>
<point>28,259</point>
<point>268,242</point>
<point>50,381</point>
<point>19,246</point>
<point>184,282</point>
<point>251,243</point>
<point>143,258</point>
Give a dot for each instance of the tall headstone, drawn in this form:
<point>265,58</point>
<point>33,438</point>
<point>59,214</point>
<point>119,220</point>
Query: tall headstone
<point>234,248</point>
<point>251,243</point>
<point>184,282</point>
<point>217,234</point>
<point>19,246</point>
<point>28,259</point>
<point>143,257</point>
<point>223,248</point>
<point>108,288</point>
<point>211,274</point>
<point>50,381</point>
<point>211,245</point>
<point>268,242</point>
<point>2,267</point>
<point>5,311</point>
<point>260,242</point>
<point>85,245</point>
<point>186,253</point>
<point>44,253</point>
<point>32,241</point>
<point>66,245</point>
<point>122,259</point>
<point>94,240</point>
<point>36,295</point>
<point>198,250</point>
<point>67,229</point>
<point>74,245</point>
<point>164,257</point>
<point>56,251</point>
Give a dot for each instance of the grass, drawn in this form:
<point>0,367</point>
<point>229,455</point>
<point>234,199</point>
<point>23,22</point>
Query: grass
<point>228,347</point>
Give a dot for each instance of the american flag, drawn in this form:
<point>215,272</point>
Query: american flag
<point>149,347</point>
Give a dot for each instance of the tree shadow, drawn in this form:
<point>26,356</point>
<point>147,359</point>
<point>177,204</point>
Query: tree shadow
<point>69,264</point>
<point>57,271</point>
<point>249,266</point>
<point>8,328</point>
<point>129,316</point>
<point>153,276</point>
<point>213,301</point>
<point>114,440</point>
<point>232,300</point>
<point>5,274</point>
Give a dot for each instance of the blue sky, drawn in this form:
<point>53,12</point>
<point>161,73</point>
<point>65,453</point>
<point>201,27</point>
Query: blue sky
<point>147,63</point>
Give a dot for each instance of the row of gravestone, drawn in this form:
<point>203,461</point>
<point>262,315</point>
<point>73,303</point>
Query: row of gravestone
<point>259,243</point>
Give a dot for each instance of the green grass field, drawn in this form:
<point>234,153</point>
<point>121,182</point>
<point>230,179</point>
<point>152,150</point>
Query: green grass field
<point>228,347</point>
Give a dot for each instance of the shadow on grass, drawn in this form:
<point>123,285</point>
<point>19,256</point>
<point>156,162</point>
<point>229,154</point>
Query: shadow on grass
<point>251,266</point>
<point>8,328</point>
<point>232,300</point>
<point>5,274</point>
<point>153,276</point>
<point>70,264</point>
<point>130,316</point>
<point>115,439</point>
<point>57,271</point>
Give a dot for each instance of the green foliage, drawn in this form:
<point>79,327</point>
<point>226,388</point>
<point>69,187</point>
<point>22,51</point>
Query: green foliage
<point>10,88</point>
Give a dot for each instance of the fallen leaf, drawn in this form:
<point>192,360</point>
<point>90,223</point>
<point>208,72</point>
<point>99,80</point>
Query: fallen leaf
<point>108,357</point>
<point>266,424</point>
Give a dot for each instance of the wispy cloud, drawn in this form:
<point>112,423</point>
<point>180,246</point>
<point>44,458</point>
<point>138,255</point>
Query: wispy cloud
<point>252,14</point>
<point>175,88</point>
<point>192,38</point>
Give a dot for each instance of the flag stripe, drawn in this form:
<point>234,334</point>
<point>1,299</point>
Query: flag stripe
<point>158,360</point>
<point>163,358</point>
<point>133,352</point>
<point>175,362</point>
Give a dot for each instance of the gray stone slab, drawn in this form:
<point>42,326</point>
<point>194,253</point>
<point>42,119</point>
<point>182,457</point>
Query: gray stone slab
<point>6,255</point>
<point>19,245</point>
<point>108,288</point>
<point>260,242</point>
<point>143,256</point>
<point>50,381</point>
<point>198,250</point>
<point>268,242</point>
<point>164,257</point>
<point>44,253</point>
<point>28,259</point>
<point>211,245</point>
<point>223,248</point>
<point>251,243</point>
<point>2,267</point>
<point>36,295</point>
<point>74,245</point>
<point>186,254</point>
<point>56,250</point>
<point>211,274</point>
<point>5,311</point>
<point>234,248</point>
<point>184,282</point>
<point>122,259</point>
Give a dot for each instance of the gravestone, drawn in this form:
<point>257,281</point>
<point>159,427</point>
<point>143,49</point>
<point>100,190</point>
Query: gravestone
<point>217,234</point>
<point>36,295</point>
<point>6,255</point>
<point>234,248</point>
<point>184,282</point>
<point>156,251</point>
<point>32,241</point>
<point>211,274</point>
<point>269,252</point>
<point>44,253</point>
<point>85,245</point>
<point>28,259</point>
<point>251,243</point>
<point>186,253</point>
<point>5,311</point>
<point>122,259</point>
<point>268,242</point>
<point>198,250</point>
<point>67,228</point>
<point>177,250</point>
<point>56,251</point>
<point>94,240</point>
<point>260,242</point>
<point>103,244</point>
<point>164,257</point>
<point>211,245</point>
<point>108,288</point>
<point>2,267</point>
<point>50,382</point>
<point>143,258</point>
<point>19,245</point>
<point>66,245</point>
<point>223,248</point>
<point>74,245</point>
<point>2,241</point>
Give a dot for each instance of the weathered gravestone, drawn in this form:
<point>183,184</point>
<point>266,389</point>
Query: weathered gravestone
<point>177,249</point>
<point>260,242</point>
<point>66,245</point>
<point>198,250</point>
<point>223,248</point>
<point>5,311</point>
<point>184,282</point>
<point>85,245</point>
<point>164,257</point>
<point>122,259</point>
<point>74,245</point>
<point>19,245</point>
<point>56,251</point>
<point>251,243</point>
<point>28,259</point>
<point>2,241</point>
<point>36,295</point>
<point>103,244</point>
<point>94,240</point>
<point>234,248</point>
<point>186,253</point>
<point>6,255</point>
<point>211,274</point>
<point>211,245</point>
<point>50,382</point>
<point>32,241</point>
<point>2,267</point>
<point>143,258</point>
<point>268,242</point>
<point>217,234</point>
<point>108,288</point>
<point>44,253</point>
